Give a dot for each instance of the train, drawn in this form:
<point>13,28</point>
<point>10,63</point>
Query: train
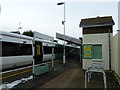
<point>17,50</point>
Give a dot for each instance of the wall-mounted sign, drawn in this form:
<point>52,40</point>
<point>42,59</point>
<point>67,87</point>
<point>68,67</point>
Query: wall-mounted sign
<point>87,51</point>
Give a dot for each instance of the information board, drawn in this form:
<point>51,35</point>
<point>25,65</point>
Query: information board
<point>87,51</point>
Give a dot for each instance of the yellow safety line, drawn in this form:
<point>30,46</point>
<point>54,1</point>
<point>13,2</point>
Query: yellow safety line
<point>21,72</point>
<point>15,71</point>
<point>15,74</point>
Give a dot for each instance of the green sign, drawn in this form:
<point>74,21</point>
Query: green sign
<point>41,69</point>
<point>87,51</point>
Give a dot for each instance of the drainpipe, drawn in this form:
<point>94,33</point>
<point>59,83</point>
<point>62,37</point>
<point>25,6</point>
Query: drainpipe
<point>109,50</point>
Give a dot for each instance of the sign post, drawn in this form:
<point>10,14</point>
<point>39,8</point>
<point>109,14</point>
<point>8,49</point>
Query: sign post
<point>33,52</point>
<point>52,57</point>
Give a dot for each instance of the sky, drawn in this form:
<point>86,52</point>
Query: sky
<point>46,17</point>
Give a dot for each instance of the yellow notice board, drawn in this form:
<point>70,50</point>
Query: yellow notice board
<point>38,49</point>
<point>87,51</point>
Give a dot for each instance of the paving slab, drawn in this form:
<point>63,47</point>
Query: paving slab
<point>74,78</point>
<point>70,75</point>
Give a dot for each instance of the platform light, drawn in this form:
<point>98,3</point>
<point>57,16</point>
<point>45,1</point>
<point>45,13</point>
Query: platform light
<point>63,3</point>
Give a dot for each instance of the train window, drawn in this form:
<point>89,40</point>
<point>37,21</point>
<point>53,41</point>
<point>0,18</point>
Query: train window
<point>0,49</point>
<point>24,49</point>
<point>58,50</point>
<point>47,50</point>
<point>8,49</point>
<point>16,49</point>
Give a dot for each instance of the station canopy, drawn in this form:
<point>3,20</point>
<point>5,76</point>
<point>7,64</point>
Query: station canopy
<point>69,39</point>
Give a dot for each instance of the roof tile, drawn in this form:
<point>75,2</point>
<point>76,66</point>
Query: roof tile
<point>96,22</point>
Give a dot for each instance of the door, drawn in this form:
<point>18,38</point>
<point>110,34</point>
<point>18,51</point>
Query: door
<point>38,52</point>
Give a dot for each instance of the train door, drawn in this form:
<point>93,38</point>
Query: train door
<point>38,52</point>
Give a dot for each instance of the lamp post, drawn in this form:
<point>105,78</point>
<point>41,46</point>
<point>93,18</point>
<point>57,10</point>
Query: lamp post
<point>63,22</point>
<point>19,27</point>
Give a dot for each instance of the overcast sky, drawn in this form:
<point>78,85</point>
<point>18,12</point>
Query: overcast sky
<point>46,16</point>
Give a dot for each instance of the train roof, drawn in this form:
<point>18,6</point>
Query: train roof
<point>30,38</point>
<point>15,35</point>
<point>23,37</point>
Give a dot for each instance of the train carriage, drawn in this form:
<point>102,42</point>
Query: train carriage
<point>16,50</point>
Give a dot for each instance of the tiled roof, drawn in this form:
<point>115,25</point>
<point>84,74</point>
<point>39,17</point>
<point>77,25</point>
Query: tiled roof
<point>96,22</point>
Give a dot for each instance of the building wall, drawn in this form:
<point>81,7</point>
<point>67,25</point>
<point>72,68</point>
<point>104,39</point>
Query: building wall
<point>98,39</point>
<point>119,15</point>
<point>115,54</point>
<point>119,54</point>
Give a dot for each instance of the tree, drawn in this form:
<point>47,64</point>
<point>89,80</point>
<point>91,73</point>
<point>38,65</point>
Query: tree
<point>28,33</point>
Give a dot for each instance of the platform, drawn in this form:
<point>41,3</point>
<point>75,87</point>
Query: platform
<point>74,78</point>
<point>70,75</point>
<point>71,78</point>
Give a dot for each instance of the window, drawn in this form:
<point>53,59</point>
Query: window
<point>58,50</point>
<point>97,51</point>
<point>15,49</point>
<point>47,50</point>
<point>0,49</point>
